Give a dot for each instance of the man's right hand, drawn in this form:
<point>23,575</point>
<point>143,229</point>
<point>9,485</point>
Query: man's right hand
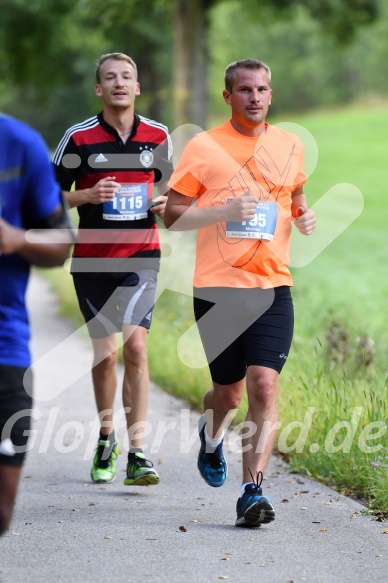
<point>12,238</point>
<point>102,191</point>
<point>242,208</point>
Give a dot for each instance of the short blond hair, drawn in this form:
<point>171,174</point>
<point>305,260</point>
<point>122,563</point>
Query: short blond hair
<point>115,57</point>
<point>244,64</point>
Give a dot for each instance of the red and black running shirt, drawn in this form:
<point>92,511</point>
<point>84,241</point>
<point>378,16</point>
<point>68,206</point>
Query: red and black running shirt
<point>92,150</point>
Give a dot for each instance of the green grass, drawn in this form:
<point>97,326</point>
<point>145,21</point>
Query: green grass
<point>339,298</point>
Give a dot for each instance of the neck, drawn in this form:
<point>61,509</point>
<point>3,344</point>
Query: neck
<point>122,121</point>
<point>251,131</point>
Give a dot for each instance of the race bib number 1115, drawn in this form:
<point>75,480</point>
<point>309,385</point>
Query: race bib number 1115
<point>128,204</point>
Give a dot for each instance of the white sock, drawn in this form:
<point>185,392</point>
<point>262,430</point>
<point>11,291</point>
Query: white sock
<point>213,443</point>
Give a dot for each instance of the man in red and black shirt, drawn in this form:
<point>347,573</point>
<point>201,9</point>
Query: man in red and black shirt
<point>115,159</point>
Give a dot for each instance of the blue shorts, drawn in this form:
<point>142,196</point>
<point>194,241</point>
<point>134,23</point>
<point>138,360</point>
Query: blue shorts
<point>108,303</point>
<point>244,327</point>
<point>15,413</point>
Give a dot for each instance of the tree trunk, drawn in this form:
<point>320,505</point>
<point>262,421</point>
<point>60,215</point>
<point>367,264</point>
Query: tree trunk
<point>190,83</point>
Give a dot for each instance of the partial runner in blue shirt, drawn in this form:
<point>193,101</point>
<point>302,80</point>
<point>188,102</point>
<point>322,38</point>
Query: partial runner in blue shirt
<point>30,198</point>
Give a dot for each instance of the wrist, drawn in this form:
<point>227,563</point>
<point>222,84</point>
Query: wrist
<point>221,213</point>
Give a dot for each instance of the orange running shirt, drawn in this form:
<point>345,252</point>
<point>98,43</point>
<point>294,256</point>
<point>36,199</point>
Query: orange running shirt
<point>220,164</point>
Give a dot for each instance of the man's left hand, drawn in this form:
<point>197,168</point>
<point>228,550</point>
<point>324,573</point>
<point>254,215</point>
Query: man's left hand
<point>305,221</point>
<point>159,205</point>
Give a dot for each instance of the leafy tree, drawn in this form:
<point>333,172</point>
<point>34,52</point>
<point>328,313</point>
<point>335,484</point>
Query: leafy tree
<point>308,69</point>
<point>46,67</point>
<point>342,18</point>
<point>192,18</point>
<point>48,49</point>
<point>32,33</point>
<point>142,29</point>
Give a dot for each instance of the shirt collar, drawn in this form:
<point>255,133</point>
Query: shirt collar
<point>113,131</point>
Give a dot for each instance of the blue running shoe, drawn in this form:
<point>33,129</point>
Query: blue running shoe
<point>254,509</point>
<point>211,465</point>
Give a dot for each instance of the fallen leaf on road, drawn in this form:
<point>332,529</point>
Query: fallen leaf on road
<point>183,528</point>
<point>322,530</point>
<point>109,537</point>
<point>384,531</point>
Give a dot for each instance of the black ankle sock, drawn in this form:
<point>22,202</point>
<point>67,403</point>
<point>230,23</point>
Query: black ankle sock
<point>105,436</point>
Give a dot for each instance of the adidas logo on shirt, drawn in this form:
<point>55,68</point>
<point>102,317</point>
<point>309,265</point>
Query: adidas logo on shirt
<point>101,158</point>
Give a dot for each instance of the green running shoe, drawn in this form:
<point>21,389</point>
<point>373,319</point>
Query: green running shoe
<point>103,468</point>
<point>140,471</point>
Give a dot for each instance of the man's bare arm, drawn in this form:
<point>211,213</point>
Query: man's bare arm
<point>102,191</point>
<point>182,215</point>
<point>44,248</point>
<point>303,217</point>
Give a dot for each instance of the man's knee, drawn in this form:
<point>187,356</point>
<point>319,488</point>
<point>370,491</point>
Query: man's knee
<point>229,396</point>
<point>262,386</point>
<point>135,346</point>
<point>135,353</point>
<point>107,361</point>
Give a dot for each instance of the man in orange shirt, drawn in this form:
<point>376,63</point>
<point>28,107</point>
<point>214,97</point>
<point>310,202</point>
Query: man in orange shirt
<point>246,180</point>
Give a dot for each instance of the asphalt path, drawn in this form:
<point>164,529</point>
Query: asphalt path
<point>67,529</point>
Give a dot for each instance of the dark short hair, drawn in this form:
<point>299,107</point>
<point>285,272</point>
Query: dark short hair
<point>115,57</point>
<point>244,64</point>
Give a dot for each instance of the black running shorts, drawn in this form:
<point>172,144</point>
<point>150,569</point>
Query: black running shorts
<point>108,303</point>
<point>244,327</point>
<point>15,413</point>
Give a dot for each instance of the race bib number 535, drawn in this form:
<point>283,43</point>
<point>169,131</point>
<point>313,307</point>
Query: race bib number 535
<point>128,204</point>
<point>262,226</point>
